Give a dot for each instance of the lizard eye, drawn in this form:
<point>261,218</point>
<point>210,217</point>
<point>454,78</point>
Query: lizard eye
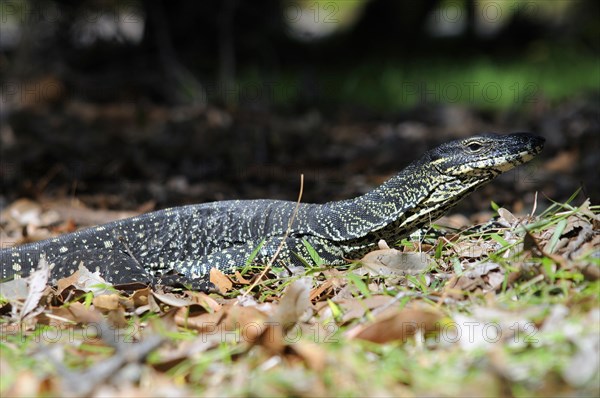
<point>475,146</point>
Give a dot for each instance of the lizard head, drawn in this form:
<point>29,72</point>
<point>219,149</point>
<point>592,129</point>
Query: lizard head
<point>485,156</point>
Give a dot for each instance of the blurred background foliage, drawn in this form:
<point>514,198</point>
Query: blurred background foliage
<point>381,54</point>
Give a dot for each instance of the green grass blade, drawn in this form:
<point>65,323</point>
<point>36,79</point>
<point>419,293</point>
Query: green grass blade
<point>314,256</point>
<point>560,227</point>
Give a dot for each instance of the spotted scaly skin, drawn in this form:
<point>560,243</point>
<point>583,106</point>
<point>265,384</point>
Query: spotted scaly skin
<point>182,244</point>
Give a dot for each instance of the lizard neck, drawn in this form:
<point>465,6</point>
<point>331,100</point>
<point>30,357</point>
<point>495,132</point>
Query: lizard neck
<point>382,210</point>
<point>415,197</point>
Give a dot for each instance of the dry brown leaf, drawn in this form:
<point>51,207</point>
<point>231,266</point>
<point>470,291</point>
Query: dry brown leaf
<point>586,234</point>
<point>395,262</point>
<point>84,280</point>
<point>249,321</point>
<point>24,212</point>
<point>481,269</point>
<point>204,300</point>
<point>463,285</point>
<point>220,280</point>
<point>271,338</point>
<point>59,317</point>
<point>507,219</point>
<point>313,355</point>
<point>28,384</point>
<point>475,248</point>
<point>318,291</point>
<point>76,212</point>
<point>106,302</point>
<point>240,279</point>
<point>495,280</point>
<point>28,219</point>
<point>126,302</point>
<point>116,318</point>
<point>140,297</point>
<point>153,305</point>
<point>36,282</point>
<point>75,313</point>
<point>486,276</point>
<point>591,272</point>
<point>353,308</point>
<point>84,314</point>
<point>394,324</point>
<point>69,281</point>
<point>186,349</point>
<point>574,224</point>
<point>294,303</point>
<point>91,281</point>
<point>14,290</point>
<point>65,227</point>
<point>204,322</point>
<point>172,300</point>
<point>334,280</point>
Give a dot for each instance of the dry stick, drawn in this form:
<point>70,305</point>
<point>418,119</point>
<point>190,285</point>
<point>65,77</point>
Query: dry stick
<point>534,205</point>
<point>287,232</point>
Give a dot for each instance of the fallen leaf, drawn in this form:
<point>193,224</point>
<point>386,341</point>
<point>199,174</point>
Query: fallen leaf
<point>203,322</point>
<point>91,281</point>
<point>240,279</point>
<point>394,324</point>
<point>36,282</point>
<point>249,322</point>
<point>75,313</point>
<point>140,297</point>
<point>84,280</point>
<point>473,249</point>
<point>106,302</point>
<point>172,300</point>
<point>27,384</point>
<point>204,300</point>
<point>14,290</point>
<point>116,318</point>
<point>395,262</point>
<point>220,280</point>
<point>320,289</point>
<point>312,354</point>
<point>64,283</point>
<point>507,219</point>
<point>353,308</point>
<point>294,303</point>
<point>481,269</point>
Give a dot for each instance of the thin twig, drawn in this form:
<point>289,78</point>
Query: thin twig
<point>534,205</point>
<point>285,235</point>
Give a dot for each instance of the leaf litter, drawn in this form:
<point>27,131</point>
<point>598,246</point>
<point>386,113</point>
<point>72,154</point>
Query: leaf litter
<point>514,301</point>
